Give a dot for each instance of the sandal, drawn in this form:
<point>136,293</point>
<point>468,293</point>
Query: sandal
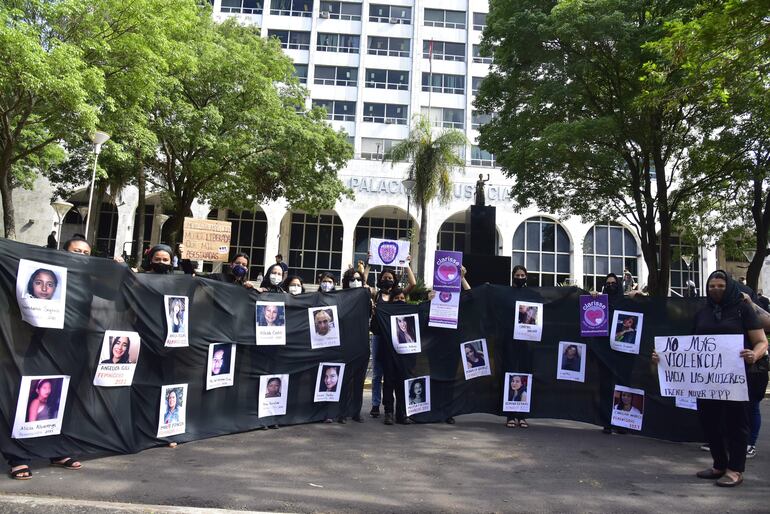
<point>523,423</point>
<point>23,473</point>
<point>67,463</point>
<point>512,423</point>
<point>728,481</point>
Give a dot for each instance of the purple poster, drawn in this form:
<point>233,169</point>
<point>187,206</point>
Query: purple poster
<point>447,278</point>
<point>594,314</point>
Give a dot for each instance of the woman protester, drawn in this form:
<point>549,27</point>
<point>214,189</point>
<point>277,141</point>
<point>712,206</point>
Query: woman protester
<point>515,419</point>
<point>236,272</point>
<point>273,281</point>
<point>726,423</point>
<point>159,260</point>
<point>293,285</point>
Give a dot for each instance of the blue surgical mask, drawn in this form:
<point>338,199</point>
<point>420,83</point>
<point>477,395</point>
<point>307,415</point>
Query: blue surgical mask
<point>239,271</point>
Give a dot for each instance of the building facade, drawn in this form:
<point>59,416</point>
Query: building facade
<point>373,66</point>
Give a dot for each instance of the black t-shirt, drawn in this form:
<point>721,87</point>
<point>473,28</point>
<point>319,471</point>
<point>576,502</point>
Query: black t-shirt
<point>737,319</point>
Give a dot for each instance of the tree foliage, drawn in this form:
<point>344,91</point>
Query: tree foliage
<point>431,162</point>
<point>591,121</point>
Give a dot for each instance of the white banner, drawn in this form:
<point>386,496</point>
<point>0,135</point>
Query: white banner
<point>708,367</point>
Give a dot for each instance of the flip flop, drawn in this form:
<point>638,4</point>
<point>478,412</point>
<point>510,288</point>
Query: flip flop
<point>21,474</point>
<point>726,481</point>
<point>68,463</point>
<point>523,423</point>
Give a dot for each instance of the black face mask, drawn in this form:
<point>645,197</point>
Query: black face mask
<point>160,268</point>
<point>519,282</point>
<point>386,284</point>
<point>611,288</point>
<point>398,301</point>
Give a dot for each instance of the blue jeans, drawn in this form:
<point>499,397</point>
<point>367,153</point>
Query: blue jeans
<point>376,372</point>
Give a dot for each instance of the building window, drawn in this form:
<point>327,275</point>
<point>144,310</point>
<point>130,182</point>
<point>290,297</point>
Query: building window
<point>393,46</point>
<point>445,117</point>
<point>315,245</point>
<point>476,84</point>
<point>291,39</point>
<point>376,149</point>
<point>387,79</point>
<point>381,228</point>
<point>443,83</point>
<point>248,231</point>
<point>478,57</point>
<point>340,11</point>
<point>608,247</point>
<point>335,76</point>
<point>381,13</point>
<point>442,18</point>
<point>344,43</point>
<point>291,7</point>
<point>241,6</point>
<point>451,237</point>
<point>543,247</point>
<point>478,119</point>
<point>337,109</point>
<point>479,20</point>
<point>385,113</point>
<point>481,157</point>
<point>442,50</point>
<point>300,71</point>
<point>149,217</point>
<point>681,252</point>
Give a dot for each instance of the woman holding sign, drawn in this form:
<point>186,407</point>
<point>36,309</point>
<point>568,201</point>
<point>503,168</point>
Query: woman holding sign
<point>726,423</point>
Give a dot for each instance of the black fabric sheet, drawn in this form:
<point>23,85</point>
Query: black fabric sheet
<point>103,295</point>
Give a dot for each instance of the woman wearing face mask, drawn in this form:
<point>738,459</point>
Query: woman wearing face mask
<point>514,419</point>
<point>327,283</point>
<point>273,281</point>
<point>726,423</point>
<point>293,285</point>
<point>236,272</point>
<point>159,260</point>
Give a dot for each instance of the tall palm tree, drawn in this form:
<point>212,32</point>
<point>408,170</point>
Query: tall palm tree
<point>432,160</point>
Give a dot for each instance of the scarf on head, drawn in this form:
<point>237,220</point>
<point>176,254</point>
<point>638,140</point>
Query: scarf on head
<point>618,295</point>
<point>731,297</point>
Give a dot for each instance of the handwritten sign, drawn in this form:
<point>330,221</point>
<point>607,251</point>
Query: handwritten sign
<point>206,240</point>
<point>708,367</point>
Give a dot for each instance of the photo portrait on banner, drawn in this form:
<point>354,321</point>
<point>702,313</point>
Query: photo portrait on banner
<point>271,323</point>
<point>176,320</point>
<point>626,333</point>
<point>220,371</point>
<point>41,291</point>
<point>324,326</point>
<point>329,381</point>
<point>173,405</point>
<point>405,333</point>
<point>627,407</point>
<point>517,392</point>
<point>273,391</point>
<point>475,358</point>
<point>572,361</point>
<point>40,408</point>
<point>417,394</point>
<point>118,358</point>
<point>528,321</point>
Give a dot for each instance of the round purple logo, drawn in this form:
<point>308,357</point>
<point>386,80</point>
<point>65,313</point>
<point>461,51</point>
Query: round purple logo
<point>445,296</point>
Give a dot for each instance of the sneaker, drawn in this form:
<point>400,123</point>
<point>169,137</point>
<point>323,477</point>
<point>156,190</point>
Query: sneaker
<point>388,418</point>
<point>751,451</point>
<point>375,412</point>
<point>705,447</point>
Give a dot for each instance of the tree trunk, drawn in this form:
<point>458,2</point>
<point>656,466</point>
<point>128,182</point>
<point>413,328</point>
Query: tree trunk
<point>9,218</point>
<point>141,207</point>
<point>95,214</point>
<point>421,246</point>
<point>760,213</point>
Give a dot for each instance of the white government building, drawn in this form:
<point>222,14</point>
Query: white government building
<point>368,64</point>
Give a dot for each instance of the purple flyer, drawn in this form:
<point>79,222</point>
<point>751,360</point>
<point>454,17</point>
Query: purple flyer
<point>447,283</point>
<point>594,314</point>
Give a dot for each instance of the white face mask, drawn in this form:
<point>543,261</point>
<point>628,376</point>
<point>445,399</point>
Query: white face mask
<point>327,286</point>
<point>276,279</point>
<point>356,283</point>
<point>295,290</point>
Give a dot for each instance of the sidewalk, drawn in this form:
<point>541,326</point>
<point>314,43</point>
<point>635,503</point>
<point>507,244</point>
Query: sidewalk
<point>477,465</point>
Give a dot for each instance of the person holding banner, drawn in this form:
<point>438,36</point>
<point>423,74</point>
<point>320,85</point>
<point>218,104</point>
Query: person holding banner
<point>237,272</point>
<point>273,281</point>
<point>514,419</point>
<point>726,423</point>
<point>293,285</point>
<point>159,260</point>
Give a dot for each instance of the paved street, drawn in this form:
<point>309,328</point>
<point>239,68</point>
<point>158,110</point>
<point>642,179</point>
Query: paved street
<point>477,465</point>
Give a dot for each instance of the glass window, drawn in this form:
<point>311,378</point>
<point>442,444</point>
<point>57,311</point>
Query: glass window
<point>300,71</point>
<point>683,251</point>
<point>533,244</point>
<point>479,20</point>
<point>375,227</point>
<point>315,244</point>
<point>608,247</point>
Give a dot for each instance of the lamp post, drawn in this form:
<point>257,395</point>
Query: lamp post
<point>98,139</point>
<point>62,208</point>
<point>687,261</point>
<point>83,210</point>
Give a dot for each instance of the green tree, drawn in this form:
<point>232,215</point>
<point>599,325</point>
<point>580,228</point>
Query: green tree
<point>431,162</point>
<point>66,65</point>
<point>232,128</point>
<point>724,54</point>
<point>589,120</point>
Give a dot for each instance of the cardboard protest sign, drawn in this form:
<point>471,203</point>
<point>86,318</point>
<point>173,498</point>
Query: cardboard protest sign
<point>206,240</point>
